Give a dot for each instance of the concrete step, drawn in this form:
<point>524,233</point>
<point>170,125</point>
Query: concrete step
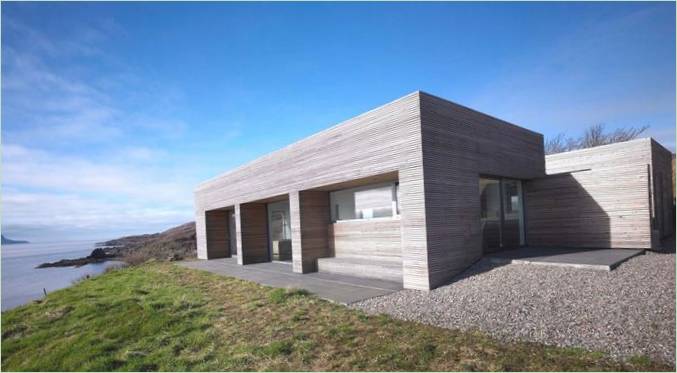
<point>361,267</point>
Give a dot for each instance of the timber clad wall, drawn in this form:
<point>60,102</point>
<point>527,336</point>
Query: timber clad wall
<point>613,203</point>
<point>663,193</point>
<point>635,152</point>
<point>217,234</point>
<point>459,144</point>
<point>599,208</point>
<point>377,239</point>
<point>252,233</point>
<point>607,196</point>
<point>382,141</point>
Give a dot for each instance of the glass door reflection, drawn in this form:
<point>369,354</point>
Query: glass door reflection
<point>501,214</point>
<point>490,214</point>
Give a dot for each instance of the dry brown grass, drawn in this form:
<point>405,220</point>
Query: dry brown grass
<point>136,258</point>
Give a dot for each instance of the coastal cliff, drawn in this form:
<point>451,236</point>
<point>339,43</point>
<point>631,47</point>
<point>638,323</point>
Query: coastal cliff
<point>176,243</point>
<point>173,244</point>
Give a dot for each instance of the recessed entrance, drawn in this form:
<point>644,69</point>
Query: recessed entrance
<point>501,214</point>
<point>279,231</point>
<point>221,239</point>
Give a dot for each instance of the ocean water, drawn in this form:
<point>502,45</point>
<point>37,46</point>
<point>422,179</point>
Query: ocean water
<point>22,282</point>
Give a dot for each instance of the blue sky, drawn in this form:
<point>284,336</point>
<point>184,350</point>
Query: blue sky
<point>113,113</point>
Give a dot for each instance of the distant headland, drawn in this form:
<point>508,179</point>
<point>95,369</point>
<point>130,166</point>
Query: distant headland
<point>7,241</point>
<point>173,244</point>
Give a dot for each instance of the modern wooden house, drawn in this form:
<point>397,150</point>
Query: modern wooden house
<point>420,188</point>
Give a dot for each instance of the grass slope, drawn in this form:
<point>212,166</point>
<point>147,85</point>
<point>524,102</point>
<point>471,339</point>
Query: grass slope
<point>162,317</point>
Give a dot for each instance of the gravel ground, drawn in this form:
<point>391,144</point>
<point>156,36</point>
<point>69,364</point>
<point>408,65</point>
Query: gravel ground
<point>625,312</point>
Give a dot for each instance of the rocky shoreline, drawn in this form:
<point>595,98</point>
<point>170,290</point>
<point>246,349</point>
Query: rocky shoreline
<point>98,255</point>
<point>173,244</point>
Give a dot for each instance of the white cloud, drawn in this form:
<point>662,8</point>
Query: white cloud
<point>83,212</point>
<point>52,106</point>
<point>42,189</point>
<point>35,215</point>
<point>80,148</point>
<point>55,96</point>
<point>39,169</point>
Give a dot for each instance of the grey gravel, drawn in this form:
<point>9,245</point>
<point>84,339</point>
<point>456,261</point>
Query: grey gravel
<point>625,312</point>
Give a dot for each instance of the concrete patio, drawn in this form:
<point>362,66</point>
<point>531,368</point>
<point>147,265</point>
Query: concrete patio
<point>593,259</point>
<point>336,288</point>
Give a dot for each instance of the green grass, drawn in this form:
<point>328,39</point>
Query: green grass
<point>163,317</point>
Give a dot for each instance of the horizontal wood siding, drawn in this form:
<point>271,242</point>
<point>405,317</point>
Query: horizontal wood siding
<point>459,144</point>
<point>379,141</point>
<point>600,208</point>
<point>640,158</point>
<point>309,218</point>
<point>374,239</point>
<point>663,192</point>
<point>438,150</point>
<point>635,152</point>
<point>217,234</point>
<point>382,141</point>
<point>253,232</point>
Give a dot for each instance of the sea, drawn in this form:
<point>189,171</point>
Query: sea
<point>23,283</point>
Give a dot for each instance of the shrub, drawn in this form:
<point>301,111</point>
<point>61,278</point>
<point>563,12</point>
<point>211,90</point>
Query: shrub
<point>135,258</point>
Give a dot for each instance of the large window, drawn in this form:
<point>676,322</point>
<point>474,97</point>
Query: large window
<point>366,202</point>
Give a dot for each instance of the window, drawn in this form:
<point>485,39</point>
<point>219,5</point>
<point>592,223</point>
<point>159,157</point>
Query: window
<point>367,202</point>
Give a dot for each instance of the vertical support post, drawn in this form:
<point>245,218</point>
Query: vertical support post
<point>201,233</point>
<point>238,235</point>
<point>296,237</point>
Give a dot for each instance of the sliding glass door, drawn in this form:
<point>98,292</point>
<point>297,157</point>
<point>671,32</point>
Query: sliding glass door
<point>513,218</point>
<point>501,214</point>
<point>490,218</point>
<point>279,231</point>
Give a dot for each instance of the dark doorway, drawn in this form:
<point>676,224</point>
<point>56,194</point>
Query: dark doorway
<point>501,214</point>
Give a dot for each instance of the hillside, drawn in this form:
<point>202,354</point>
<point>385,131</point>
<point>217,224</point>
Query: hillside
<point>175,243</point>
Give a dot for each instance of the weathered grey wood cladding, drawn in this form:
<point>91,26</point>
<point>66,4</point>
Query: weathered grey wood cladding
<point>252,233</point>
<point>608,196</point>
<point>377,239</point>
<point>217,234</point>
<point>459,145</point>
<point>611,196</point>
<point>599,208</point>
<point>663,193</point>
<point>635,152</point>
<point>385,140</point>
